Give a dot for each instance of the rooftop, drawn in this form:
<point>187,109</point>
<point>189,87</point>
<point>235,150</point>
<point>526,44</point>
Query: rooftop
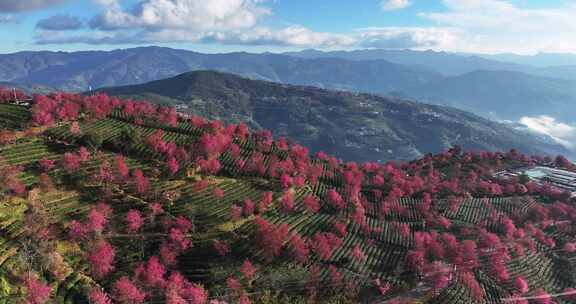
<point>562,179</point>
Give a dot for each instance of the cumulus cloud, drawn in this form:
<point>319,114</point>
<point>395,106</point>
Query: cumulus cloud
<point>197,15</point>
<point>224,22</point>
<point>392,5</point>
<point>60,23</point>
<point>491,14</point>
<point>503,26</point>
<point>238,22</point>
<point>290,36</point>
<point>7,19</point>
<point>563,133</point>
<point>196,21</point>
<point>26,5</point>
<point>299,36</point>
<point>407,37</point>
<point>108,3</point>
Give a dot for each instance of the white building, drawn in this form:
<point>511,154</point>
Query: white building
<point>559,178</point>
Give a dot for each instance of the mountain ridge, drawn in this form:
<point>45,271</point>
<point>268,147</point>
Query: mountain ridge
<point>76,71</point>
<point>448,64</point>
<point>351,125</point>
<point>508,94</point>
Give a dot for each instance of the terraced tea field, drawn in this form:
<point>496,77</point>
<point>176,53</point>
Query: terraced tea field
<point>313,228</point>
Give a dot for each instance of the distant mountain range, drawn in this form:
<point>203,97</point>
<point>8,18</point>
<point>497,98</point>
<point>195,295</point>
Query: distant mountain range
<point>455,64</point>
<point>448,64</point>
<point>465,81</point>
<point>360,127</point>
<point>80,71</point>
<point>502,94</point>
<point>538,60</point>
<point>505,87</point>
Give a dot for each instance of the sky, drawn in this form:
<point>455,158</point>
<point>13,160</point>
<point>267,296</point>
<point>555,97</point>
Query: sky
<point>473,26</point>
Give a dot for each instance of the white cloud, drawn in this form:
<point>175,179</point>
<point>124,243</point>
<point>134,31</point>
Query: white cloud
<point>298,36</point>
<point>4,19</point>
<point>289,36</point>
<point>407,37</point>
<point>241,22</point>
<point>214,21</point>
<point>563,133</point>
<point>224,22</point>
<point>503,26</point>
<point>478,26</point>
<point>107,3</point>
<point>195,15</point>
<point>392,5</point>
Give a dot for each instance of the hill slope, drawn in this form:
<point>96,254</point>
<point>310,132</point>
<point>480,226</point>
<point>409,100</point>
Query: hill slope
<point>77,71</point>
<point>538,60</point>
<point>357,127</point>
<point>418,74</point>
<point>449,64</point>
<point>509,95</point>
<point>163,209</point>
<point>27,88</point>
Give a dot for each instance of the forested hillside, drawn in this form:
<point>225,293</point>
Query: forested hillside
<point>78,71</point>
<point>358,127</point>
<point>501,94</point>
<point>110,201</point>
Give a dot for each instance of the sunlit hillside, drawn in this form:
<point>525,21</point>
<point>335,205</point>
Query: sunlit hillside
<point>110,201</point>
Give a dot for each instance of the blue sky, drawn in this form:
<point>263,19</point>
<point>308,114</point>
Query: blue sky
<point>484,26</point>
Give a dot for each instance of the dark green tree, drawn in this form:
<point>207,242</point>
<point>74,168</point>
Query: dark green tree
<point>93,139</point>
<point>523,178</point>
<point>129,137</point>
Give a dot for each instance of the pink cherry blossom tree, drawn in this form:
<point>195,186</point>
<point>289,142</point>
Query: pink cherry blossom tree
<point>101,258</point>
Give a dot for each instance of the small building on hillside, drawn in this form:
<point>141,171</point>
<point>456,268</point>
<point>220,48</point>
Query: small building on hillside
<point>563,179</point>
<point>25,103</point>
